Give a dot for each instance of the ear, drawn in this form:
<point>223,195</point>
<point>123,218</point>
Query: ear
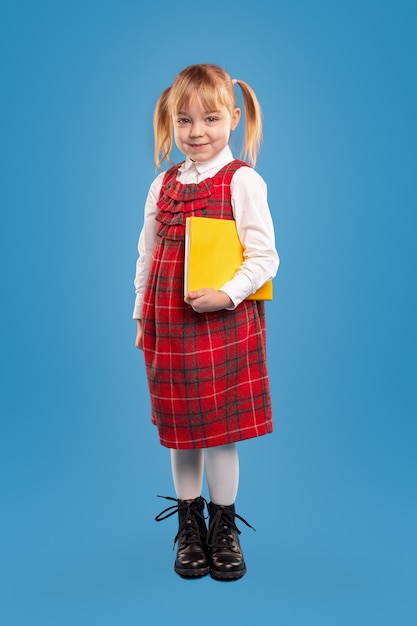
<point>235,118</point>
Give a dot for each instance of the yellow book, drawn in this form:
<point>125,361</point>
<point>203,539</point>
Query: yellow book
<point>213,254</point>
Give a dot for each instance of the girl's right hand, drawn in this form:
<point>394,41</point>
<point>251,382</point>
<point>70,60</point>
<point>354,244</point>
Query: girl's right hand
<point>139,335</point>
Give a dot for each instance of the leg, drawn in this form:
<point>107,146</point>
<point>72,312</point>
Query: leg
<point>187,472</point>
<point>222,472</point>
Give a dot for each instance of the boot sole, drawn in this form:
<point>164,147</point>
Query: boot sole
<point>228,576</point>
<point>189,573</point>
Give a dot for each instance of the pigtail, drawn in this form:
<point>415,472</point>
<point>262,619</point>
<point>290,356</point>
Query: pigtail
<point>253,121</point>
<point>162,125</point>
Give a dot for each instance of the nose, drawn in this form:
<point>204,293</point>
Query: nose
<point>196,129</point>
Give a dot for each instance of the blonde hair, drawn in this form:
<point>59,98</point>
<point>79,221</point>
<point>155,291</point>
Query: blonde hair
<point>214,87</point>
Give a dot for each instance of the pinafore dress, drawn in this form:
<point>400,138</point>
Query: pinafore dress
<point>207,372</point>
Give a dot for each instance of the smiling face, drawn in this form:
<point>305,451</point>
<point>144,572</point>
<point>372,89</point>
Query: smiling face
<point>200,134</point>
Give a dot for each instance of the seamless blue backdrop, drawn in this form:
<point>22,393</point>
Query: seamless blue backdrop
<point>331,492</point>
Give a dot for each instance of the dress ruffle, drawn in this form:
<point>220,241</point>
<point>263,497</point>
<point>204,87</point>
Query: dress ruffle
<point>176,201</point>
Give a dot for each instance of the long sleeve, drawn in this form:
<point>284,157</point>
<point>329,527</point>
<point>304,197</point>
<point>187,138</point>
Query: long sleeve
<point>146,244</point>
<point>256,233</point>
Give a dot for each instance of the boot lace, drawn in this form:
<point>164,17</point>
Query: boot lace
<point>221,524</point>
<point>192,519</point>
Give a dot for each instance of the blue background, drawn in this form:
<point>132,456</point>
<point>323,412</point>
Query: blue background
<point>332,492</point>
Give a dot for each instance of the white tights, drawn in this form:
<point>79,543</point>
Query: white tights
<point>222,473</point>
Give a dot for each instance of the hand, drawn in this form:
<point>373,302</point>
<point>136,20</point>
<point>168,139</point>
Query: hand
<point>139,335</point>
<point>208,300</point>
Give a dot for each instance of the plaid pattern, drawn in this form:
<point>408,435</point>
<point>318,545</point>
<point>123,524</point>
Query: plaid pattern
<point>207,373</point>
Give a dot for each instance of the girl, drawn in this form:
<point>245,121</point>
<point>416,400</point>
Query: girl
<point>205,354</point>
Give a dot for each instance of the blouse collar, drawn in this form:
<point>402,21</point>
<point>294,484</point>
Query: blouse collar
<point>222,158</point>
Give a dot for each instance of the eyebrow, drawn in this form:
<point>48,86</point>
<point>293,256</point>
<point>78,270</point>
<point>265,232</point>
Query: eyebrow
<point>205,112</point>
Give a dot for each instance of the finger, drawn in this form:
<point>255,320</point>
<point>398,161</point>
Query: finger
<point>191,299</point>
<point>195,294</point>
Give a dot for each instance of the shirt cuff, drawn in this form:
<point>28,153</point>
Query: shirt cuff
<point>238,289</point>
<point>137,311</point>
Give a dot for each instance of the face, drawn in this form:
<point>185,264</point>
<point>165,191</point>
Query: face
<point>201,134</point>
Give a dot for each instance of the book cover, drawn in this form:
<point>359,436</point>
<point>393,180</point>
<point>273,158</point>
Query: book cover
<point>213,254</point>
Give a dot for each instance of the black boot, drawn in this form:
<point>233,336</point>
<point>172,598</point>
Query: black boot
<point>192,558</point>
<point>227,562</point>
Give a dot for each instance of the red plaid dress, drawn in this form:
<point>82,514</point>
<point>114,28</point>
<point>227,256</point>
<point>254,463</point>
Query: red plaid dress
<point>207,372</point>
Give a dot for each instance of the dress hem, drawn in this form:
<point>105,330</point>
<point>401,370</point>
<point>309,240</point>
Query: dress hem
<point>220,440</point>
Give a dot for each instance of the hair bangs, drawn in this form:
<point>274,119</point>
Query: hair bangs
<point>208,91</point>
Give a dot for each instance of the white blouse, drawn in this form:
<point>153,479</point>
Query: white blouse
<point>253,222</point>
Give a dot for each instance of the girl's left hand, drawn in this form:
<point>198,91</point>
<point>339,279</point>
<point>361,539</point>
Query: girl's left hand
<point>208,300</point>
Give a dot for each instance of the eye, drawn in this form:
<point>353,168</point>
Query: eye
<point>183,120</point>
<point>212,119</point>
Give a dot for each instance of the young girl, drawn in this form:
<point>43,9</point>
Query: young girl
<point>205,353</point>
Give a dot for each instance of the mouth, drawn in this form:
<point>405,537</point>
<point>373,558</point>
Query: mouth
<point>198,145</point>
